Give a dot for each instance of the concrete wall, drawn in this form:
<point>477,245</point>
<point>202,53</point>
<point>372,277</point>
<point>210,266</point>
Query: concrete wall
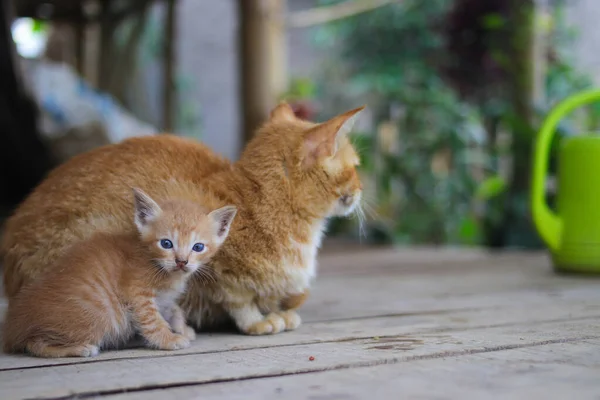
<point>585,17</point>
<point>207,48</point>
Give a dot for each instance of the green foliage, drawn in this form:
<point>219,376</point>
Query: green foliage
<point>187,114</point>
<point>490,187</point>
<point>300,89</point>
<point>564,78</point>
<point>39,26</point>
<point>390,58</point>
<point>390,54</point>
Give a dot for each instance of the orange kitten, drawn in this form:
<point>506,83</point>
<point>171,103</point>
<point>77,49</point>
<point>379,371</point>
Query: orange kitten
<point>108,287</point>
<point>290,178</point>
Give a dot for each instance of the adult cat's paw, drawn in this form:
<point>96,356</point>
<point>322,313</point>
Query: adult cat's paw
<point>172,341</point>
<point>291,318</point>
<point>189,332</point>
<point>272,323</point>
<point>89,350</point>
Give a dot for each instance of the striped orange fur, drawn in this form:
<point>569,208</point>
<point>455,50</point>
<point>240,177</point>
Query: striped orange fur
<point>110,286</point>
<point>291,177</point>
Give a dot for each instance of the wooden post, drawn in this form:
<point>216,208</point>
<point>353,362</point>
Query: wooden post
<point>540,47</point>
<point>263,69</point>
<point>24,156</point>
<point>105,61</point>
<point>79,33</point>
<point>169,67</point>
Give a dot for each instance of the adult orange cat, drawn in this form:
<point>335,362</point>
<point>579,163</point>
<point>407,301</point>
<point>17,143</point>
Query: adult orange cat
<point>106,288</point>
<point>291,177</point>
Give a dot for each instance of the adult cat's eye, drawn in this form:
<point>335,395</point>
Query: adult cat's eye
<point>198,247</point>
<point>166,244</point>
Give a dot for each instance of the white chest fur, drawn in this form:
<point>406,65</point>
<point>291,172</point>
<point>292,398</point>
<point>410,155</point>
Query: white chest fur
<point>301,269</point>
<point>165,299</point>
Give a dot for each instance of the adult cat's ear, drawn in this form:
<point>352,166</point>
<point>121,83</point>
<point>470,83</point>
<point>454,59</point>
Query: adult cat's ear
<point>283,112</point>
<point>146,209</point>
<point>323,140</point>
<point>222,219</point>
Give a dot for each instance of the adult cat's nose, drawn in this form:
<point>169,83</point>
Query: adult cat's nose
<point>181,263</point>
<point>346,200</point>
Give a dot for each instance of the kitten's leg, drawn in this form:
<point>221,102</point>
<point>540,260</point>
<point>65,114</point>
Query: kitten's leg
<point>179,325</point>
<point>250,320</point>
<point>42,349</point>
<point>153,326</point>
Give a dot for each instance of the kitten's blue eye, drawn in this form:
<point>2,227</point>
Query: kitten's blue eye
<point>166,244</point>
<point>198,247</point>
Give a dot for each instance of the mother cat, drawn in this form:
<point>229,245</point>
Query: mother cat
<point>290,178</point>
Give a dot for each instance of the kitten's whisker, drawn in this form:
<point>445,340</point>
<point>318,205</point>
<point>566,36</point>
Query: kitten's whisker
<point>205,275</point>
<point>159,272</point>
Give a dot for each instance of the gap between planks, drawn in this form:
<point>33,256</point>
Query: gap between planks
<point>392,361</point>
<point>139,375</point>
<point>329,332</point>
<point>540,372</point>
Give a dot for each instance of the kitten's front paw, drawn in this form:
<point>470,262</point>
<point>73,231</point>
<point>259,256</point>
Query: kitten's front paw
<point>89,350</point>
<point>189,332</point>
<point>272,323</point>
<point>291,318</point>
<point>172,341</point>
<point>86,350</point>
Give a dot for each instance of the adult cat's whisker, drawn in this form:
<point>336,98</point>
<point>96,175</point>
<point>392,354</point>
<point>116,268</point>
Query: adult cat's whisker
<point>367,205</point>
<point>360,215</point>
<point>370,211</point>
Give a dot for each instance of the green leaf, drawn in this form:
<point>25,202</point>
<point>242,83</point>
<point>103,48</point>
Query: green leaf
<point>38,26</point>
<point>468,230</point>
<point>490,187</point>
<point>493,21</point>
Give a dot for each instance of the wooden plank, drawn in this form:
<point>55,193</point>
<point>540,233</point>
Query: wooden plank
<point>395,286</point>
<point>427,323</point>
<point>116,376</point>
<point>554,371</point>
<point>477,296</point>
<point>484,297</point>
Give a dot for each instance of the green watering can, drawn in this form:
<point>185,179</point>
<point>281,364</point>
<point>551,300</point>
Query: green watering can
<point>572,234</point>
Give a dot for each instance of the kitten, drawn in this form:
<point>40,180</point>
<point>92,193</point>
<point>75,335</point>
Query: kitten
<point>291,177</point>
<point>106,288</point>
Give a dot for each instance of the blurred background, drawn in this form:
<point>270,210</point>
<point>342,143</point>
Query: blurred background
<point>455,89</point>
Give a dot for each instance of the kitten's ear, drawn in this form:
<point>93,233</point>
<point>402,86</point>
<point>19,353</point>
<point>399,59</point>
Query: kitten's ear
<point>146,209</point>
<point>222,219</point>
<point>282,112</point>
<point>323,140</point>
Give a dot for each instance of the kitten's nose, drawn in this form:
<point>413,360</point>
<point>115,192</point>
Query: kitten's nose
<point>181,263</point>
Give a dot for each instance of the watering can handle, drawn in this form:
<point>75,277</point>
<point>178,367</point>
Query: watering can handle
<point>548,223</point>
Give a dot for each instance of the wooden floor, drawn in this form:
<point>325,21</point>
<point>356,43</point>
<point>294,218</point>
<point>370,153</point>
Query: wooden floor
<point>384,324</point>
